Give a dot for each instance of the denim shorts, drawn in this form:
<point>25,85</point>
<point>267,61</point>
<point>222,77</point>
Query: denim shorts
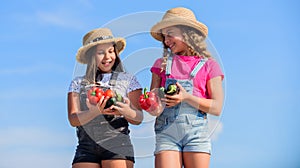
<point>184,133</point>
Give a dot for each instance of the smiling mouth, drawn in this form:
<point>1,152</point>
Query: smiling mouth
<point>106,63</point>
<point>171,46</point>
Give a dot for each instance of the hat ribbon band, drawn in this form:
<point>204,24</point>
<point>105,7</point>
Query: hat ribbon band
<point>99,39</point>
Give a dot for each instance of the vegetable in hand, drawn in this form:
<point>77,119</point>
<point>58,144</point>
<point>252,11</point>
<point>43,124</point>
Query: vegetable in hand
<point>94,95</point>
<point>111,101</point>
<point>113,98</point>
<point>148,100</point>
<point>119,97</point>
<point>172,89</point>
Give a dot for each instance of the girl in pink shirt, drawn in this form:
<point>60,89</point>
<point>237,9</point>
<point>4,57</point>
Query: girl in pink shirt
<point>182,137</point>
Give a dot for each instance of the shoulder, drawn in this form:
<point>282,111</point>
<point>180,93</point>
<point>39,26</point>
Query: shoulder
<point>213,68</point>
<point>156,67</point>
<point>75,84</point>
<point>125,76</point>
<point>158,62</point>
<point>211,62</point>
<point>129,80</point>
<point>78,79</point>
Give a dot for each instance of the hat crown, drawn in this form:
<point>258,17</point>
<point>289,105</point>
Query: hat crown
<point>103,33</point>
<point>178,16</point>
<point>179,12</point>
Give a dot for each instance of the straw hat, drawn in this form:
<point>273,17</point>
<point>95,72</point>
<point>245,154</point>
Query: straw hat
<point>95,37</point>
<point>178,16</point>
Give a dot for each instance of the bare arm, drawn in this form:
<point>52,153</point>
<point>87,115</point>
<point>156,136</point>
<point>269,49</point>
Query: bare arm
<point>77,117</point>
<point>155,81</point>
<point>213,105</point>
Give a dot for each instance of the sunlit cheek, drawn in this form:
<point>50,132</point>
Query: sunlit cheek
<point>179,38</point>
<point>113,62</point>
<point>113,57</point>
<point>98,58</point>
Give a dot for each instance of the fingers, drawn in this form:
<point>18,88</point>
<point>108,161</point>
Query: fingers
<point>171,100</point>
<point>179,85</point>
<point>99,107</point>
<point>88,104</point>
<point>110,111</point>
<point>101,104</point>
<point>126,100</point>
<point>122,104</point>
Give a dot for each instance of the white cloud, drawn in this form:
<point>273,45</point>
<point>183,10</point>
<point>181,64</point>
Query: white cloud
<point>32,93</point>
<point>215,127</point>
<point>86,3</point>
<point>60,18</point>
<point>36,160</point>
<point>36,147</point>
<point>67,15</point>
<point>35,68</point>
<point>35,137</point>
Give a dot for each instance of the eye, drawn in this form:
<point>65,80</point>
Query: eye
<point>169,34</point>
<point>111,50</point>
<point>101,52</point>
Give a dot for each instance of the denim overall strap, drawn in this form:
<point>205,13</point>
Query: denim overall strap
<point>169,65</point>
<point>198,67</point>
<point>113,78</point>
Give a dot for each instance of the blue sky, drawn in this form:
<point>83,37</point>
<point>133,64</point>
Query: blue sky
<point>257,44</point>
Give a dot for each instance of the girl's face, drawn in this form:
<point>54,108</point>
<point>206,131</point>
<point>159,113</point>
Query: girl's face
<point>174,40</point>
<point>105,57</point>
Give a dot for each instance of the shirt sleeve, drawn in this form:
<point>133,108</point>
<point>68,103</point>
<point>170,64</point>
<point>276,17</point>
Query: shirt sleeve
<point>75,85</point>
<point>214,69</point>
<point>134,84</point>
<point>156,67</point>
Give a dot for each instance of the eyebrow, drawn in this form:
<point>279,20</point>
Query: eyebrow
<point>100,51</point>
<point>167,30</point>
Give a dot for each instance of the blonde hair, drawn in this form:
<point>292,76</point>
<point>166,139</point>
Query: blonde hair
<point>195,41</point>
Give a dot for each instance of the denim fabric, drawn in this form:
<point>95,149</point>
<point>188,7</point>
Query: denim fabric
<point>182,127</point>
<point>106,136</point>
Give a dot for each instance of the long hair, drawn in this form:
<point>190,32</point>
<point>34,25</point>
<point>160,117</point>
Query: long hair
<point>195,41</point>
<point>93,72</point>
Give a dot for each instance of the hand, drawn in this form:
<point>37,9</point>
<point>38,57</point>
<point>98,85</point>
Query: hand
<point>173,100</point>
<point>157,110</point>
<point>99,107</point>
<point>148,100</point>
<point>111,111</point>
<point>122,108</point>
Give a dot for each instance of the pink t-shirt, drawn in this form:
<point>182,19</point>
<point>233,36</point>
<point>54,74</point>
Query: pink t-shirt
<point>182,67</point>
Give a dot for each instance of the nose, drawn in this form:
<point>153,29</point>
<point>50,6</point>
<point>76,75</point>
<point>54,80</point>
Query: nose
<point>106,55</point>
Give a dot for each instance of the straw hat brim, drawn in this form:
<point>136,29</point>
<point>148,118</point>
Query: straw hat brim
<point>156,29</point>
<point>81,53</point>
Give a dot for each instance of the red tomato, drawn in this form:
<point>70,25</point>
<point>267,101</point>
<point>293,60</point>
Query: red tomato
<point>109,93</point>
